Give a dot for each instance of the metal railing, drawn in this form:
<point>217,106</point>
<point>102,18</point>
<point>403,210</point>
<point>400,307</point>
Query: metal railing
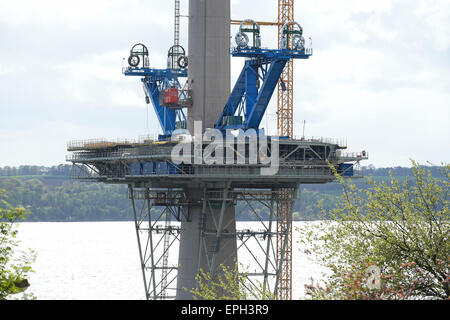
<point>99,143</point>
<point>254,171</point>
<point>102,143</point>
<point>353,155</point>
<point>235,172</point>
<point>156,152</point>
<point>146,138</point>
<point>341,142</point>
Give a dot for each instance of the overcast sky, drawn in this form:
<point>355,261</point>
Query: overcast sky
<point>379,76</point>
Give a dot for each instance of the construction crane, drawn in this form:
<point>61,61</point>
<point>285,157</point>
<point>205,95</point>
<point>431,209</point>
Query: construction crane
<point>285,112</point>
<point>263,70</point>
<point>249,98</point>
<point>285,126</point>
<point>285,101</point>
<point>200,195</point>
<point>167,229</point>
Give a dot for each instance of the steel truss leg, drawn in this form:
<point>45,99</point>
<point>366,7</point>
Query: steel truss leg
<point>217,231</point>
<point>285,205</point>
<point>155,239</point>
<point>219,243</point>
<point>258,246</point>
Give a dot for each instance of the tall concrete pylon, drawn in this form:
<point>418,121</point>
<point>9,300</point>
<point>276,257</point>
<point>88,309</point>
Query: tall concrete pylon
<point>209,60</point>
<point>204,243</point>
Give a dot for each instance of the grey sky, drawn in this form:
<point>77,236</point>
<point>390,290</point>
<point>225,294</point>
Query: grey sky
<point>379,76</point>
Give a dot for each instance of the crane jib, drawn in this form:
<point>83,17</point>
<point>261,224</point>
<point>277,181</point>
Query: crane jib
<point>249,98</point>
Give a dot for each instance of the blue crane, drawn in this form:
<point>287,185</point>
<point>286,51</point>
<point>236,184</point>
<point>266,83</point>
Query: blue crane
<point>251,94</point>
<point>162,86</point>
<point>256,83</point>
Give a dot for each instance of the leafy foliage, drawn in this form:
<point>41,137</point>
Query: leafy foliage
<point>401,228</point>
<point>67,200</point>
<point>230,285</point>
<point>15,265</point>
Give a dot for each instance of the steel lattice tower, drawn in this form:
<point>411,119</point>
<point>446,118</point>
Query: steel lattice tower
<point>285,112</point>
<point>285,121</point>
<point>176,27</point>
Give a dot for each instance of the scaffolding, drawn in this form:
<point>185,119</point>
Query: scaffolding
<point>285,125</point>
<point>157,188</point>
<point>285,112</point>
<point>163,192</point>
<point>155,240</point>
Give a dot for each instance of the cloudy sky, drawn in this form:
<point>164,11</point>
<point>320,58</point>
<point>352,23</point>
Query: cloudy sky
<point>379,76</point>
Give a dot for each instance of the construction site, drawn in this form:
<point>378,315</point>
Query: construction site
<point>184,184</point>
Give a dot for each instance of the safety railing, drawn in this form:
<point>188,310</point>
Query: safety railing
<point>135,154</point>
<point>341,142</point>
<point>101,143</point>
<point>353,155</point>
<point>237,172</point>
<point>148,138</point>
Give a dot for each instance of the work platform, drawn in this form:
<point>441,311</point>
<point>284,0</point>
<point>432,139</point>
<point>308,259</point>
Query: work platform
<point>227,169</point>
<point>150,163</point>
<point>203,196</point>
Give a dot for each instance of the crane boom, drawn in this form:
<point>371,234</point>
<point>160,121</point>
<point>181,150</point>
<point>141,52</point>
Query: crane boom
<point>249,98</point>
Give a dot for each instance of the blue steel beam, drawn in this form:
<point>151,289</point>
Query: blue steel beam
<point>154,81</point>
<point>265,94</point>
<point>249,100</point>
<point>166,117</point>
<point>235,97</point>
<point>252,89</point>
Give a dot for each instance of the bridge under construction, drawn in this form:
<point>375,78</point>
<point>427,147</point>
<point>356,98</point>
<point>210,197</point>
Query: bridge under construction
<point>185,184</point>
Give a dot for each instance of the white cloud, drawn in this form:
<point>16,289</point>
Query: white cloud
<point>379,75</point>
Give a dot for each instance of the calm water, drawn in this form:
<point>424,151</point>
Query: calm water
<point>100,260</point>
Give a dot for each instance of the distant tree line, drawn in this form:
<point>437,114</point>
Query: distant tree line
<point>59,170</point>
<point>52,195</point>
<point>398,171</point>
<point>67,200</point>
<point>63,170</point>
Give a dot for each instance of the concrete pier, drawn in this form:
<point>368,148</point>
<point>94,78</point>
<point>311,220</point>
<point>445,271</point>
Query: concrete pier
<point>209,60</point>
<point>205,242</point>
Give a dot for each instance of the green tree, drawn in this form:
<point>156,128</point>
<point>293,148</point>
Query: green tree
<point>387,241</point>
<point>230,285</point>
<point>15,265</point>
